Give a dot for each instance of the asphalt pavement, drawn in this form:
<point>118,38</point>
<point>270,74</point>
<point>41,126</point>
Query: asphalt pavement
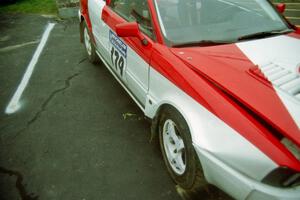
<point>77,134</point>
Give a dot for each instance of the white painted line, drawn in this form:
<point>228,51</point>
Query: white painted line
<point>14,103</point>
<point>10,48</point>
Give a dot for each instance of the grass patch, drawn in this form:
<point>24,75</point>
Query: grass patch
<point>30,6</point>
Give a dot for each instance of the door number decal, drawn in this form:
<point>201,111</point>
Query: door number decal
<point>118,53</point>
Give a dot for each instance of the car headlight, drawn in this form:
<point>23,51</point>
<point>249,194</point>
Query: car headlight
<point>284,177</point>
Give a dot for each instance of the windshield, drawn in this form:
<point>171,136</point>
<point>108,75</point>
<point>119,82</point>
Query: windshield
<point>186,21</point>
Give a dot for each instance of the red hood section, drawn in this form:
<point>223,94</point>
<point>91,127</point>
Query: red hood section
<point>229,68</point>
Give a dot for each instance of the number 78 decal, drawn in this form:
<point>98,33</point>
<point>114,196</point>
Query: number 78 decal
<point>118,53</point>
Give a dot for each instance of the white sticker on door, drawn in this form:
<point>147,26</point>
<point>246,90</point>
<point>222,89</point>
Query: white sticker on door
<point>118,53</point>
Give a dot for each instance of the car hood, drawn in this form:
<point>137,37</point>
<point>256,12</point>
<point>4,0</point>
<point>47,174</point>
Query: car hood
<point>262,74</point>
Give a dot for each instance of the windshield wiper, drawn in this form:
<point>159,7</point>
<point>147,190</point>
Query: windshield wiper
<point>202,43</point>
<point>264,34</point>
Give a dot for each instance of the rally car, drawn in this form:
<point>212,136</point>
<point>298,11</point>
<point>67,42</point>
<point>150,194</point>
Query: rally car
<point>220,81</point>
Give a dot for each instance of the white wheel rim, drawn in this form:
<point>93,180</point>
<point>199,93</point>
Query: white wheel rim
<point>174,147</point>
<point>87,41</point>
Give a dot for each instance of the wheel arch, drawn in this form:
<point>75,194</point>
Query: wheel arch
<point>154,110</point>
<point>84,18</point>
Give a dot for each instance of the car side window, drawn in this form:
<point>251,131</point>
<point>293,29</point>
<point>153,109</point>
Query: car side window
<point>135,10</point>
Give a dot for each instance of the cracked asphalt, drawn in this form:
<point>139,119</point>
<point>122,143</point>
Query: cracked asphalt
<point>78,135</point>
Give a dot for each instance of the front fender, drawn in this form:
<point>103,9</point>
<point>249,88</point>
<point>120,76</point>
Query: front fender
<point>207,130</point>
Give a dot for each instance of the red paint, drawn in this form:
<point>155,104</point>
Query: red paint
<point>295,34</point>
<point>229,71</point>
<point>257,73</point>
<point>217,77</point>
<point>112,20</point>
<point>156,27</point>
<point>129,29</point>
<point>85,13</point>
<point>228,67</point>
<point>281,7</point>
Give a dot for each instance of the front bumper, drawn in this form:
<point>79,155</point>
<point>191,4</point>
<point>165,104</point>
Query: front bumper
<point>239,185</point>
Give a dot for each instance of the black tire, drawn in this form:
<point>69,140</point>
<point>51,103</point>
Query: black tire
<point>90,50</point>
<point>193,178</point>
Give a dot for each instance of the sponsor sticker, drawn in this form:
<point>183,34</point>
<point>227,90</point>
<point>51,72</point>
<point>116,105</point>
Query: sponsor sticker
<point>118,43</point>
<point>118,53</point>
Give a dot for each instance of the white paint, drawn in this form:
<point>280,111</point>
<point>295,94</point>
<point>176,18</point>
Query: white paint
<point>135,74</point>
<point>14,103</point>
<point>282,51</point>
<point>10,48</point>
<point>239,185</point>
<point>119,81</point>
<point>207,130</point>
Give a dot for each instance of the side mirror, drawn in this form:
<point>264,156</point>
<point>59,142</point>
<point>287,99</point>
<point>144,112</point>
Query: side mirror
<point>130,29</point>
<point>280,7</point>
<point>107,2</point>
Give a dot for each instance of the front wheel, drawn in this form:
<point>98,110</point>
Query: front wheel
<point>178,152</point>
<point>89,45</point>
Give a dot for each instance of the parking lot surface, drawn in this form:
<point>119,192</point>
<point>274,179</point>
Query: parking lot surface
<point>77,134</point>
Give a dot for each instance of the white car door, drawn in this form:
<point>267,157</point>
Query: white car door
<point>128,58</point>
<point>99,28</point>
